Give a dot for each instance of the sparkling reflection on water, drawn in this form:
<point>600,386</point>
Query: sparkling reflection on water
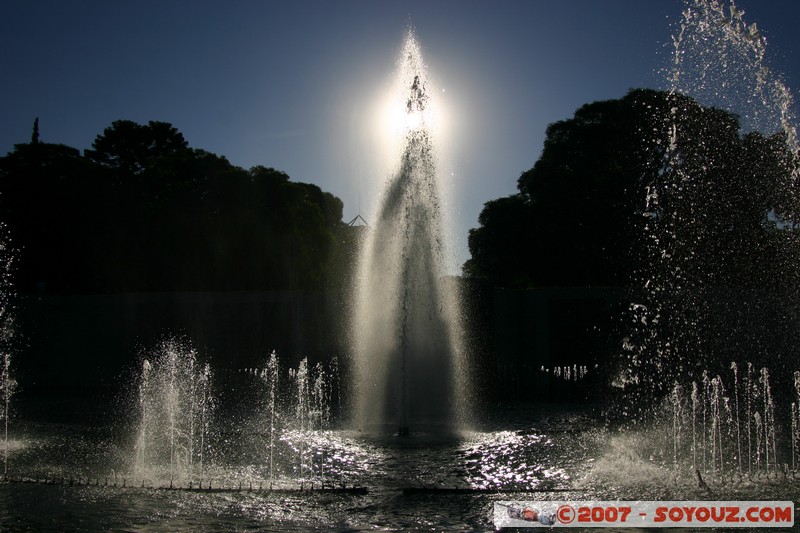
<point>545,452</point>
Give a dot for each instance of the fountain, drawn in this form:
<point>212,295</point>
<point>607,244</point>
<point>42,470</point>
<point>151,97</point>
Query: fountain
<point>728,427</point>
<point>175,404</point>
<point>269,446</point>
<point>717,60</point>
<point>728,441</point>
<point>180,436</point>
<point>409,368</point>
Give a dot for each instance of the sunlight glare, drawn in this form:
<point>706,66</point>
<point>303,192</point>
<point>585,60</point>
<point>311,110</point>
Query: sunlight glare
<point>396,118</point>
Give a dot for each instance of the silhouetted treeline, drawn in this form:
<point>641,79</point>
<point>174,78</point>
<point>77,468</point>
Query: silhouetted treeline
<point>586,213</point>
<point>143,211</point>
<point>670,200</point>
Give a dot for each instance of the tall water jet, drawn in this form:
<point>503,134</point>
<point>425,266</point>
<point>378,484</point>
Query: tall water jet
<point>7,383</point>
<point>405,325</point>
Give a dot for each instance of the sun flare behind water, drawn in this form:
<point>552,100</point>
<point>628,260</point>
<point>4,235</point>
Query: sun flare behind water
<point>395,120</point>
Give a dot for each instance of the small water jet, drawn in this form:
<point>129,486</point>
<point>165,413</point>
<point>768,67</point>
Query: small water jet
<point>573,373</point>
<point>270,376</point>
<point>176,404</point>
<point>7,387</point>
<point>8,384</point>
<point>405,329</point>
<point>712,443</point>
<point>274,431</point>
<point>311,411</point>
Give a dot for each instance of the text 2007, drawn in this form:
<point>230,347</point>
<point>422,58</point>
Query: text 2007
<point>603,514</point>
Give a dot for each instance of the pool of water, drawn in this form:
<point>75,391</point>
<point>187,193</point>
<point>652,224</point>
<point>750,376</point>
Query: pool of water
<point>539,452</point>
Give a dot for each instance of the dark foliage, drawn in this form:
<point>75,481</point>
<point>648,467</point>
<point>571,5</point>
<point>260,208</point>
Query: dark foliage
<point>585,213</point>
<point>142,211</point>
<point>670,201</point>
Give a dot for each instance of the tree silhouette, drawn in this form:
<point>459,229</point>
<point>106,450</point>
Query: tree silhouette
<point>583,211</point>
<point>503,248</point>
<point>49,198</point>
<point>131,148</point>
<point>35,134</point>
<point>142,211</point>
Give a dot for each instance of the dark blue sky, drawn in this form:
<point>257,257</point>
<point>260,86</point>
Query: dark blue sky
<point>298,85</point>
